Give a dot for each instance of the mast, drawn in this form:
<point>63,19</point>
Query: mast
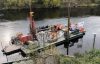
<point>68,18</point>
<point>30,5</point>
<point>68,28</point>
<point>32,23</point>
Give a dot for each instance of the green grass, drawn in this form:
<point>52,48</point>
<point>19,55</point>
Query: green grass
<point>92,57</point>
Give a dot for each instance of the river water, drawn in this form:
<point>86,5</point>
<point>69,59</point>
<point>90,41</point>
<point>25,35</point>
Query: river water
<point>92,25</point>
<point>21,24</point>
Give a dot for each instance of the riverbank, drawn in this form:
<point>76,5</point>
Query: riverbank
<point>91,57</point>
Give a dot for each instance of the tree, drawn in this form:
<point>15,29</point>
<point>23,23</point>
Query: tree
<point>17,3</point>
<point>93,1</point>
<point>51,3</point>
<point>46,3</point>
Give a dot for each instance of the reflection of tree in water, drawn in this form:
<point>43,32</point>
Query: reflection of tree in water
<point>41,14</point>
<point>14,14</point>
<point>79,42</point>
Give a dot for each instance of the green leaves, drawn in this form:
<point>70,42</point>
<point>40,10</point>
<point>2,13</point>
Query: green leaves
<point>55,3</point>
<point>46,3</point>
<point>27,3</point>
<point>51,3</point>
<point>17,3</point>
<point>42,3</point>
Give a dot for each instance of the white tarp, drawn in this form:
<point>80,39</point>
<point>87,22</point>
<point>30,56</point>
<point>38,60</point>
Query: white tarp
<point>80,24</point>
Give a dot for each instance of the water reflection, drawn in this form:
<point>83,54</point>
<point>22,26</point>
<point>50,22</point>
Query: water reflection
<point>46,13</point>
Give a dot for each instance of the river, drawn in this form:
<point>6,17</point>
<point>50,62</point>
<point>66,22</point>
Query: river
<point>91,24</point>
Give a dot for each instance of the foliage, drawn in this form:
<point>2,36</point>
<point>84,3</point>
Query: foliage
<point>17,3</point>
<point>45,56</point>
<point>41,3</point>
<point>51,3</point>
<point>92,57</point>
<point>98,3</point>
<point>27,3</point>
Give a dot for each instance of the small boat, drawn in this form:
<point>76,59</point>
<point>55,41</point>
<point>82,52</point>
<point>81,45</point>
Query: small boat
<point>54,34</point>
<point>49,33</point>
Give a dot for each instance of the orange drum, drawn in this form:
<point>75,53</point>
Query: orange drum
<point>81,29</point>
<point>23,39</point>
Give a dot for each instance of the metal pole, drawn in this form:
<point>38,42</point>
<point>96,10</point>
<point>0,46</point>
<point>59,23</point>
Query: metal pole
<point>68,16</point>
<point>1,46</point>
<point>94,40</point>
<point>68,35</point>
<point>68,50</point>
<point>30,5</point>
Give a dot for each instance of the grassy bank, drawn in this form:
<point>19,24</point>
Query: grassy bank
<point>92,57</point>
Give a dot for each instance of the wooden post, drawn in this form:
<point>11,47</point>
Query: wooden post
<point>94,40</point>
